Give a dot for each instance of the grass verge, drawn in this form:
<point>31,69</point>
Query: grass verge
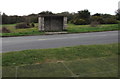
<point>86,28</point>
<point>58,54</point>
<point>70,29</point>
<point>95,67</point>
<point>77,61</point>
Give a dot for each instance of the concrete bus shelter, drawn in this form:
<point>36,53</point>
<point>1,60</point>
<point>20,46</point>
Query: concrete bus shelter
<point>52,23</point>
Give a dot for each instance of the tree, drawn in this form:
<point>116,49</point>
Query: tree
<point>67,14</point>
<point>118,14</point>
<point>45,13</point>
<point>33,18</point>
<point>96,18</point>
<point>4,19</point>
<point>82,15</point>
<point>12,19</point>
<point>97,14</point>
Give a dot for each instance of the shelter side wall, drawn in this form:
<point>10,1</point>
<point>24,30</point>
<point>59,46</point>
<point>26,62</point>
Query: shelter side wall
<point>64,22</point>
<point>41,23</point>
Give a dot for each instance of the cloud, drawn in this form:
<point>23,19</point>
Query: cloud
<point>119,4</point>
<point>25,7</point>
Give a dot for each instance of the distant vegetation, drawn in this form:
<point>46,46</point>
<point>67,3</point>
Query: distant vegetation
<point>82,21</point>
<point>82,17</point>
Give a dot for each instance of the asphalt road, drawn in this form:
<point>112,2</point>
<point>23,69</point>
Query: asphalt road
<point>55,41</point>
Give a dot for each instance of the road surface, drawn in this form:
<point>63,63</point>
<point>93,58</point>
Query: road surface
<point>55,41</point>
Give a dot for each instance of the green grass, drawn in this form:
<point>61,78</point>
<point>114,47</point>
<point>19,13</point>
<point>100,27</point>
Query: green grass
<point>70,29</point>
<point>58,54</point>
<point>27,33</point>
<point>87,28</point>
<point>94,67</point>
<point>78,61</point>
<point>20,32</point>
<point>40,70</point>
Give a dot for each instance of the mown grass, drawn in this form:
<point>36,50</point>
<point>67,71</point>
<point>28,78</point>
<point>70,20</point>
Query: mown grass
<point>58,54</point>
<point>70,29</point>
<point>77,61</point>
<point>95,67</point>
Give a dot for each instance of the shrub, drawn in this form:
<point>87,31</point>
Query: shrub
<point>80,22</point>
<point>97,18</point>
<point>94,24</point>
<point>105,19</point>
<point>110,21</point>
<point>5,30</point>
<point>22,26</point>
<point>32,25</point>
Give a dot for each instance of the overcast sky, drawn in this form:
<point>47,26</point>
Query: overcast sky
<point>25,7</point>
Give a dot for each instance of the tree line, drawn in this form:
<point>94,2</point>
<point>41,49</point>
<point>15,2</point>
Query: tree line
<point>80,18</point>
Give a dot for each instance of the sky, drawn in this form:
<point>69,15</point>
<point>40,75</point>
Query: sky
<point>25,7</point>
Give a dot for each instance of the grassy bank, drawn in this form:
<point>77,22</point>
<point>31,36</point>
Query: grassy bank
<point>20,32</point>
<point>58,54</point>
<point>95,67</point>
<point>70,29</point>
<point>25,33</point>
<point>87,28</point>
<point>78,61</point>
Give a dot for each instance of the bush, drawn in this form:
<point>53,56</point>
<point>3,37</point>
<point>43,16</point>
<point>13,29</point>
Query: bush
<point>97,18</point>
<point>94,24</point>
<point>80,22</point>
<point>22,26</point>
<point>32,25</point>
<point>110,21</point>
<point>5,30</point>
<point>105,19</point>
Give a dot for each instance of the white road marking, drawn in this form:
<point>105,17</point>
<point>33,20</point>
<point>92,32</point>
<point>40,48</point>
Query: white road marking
<point>42,39</point>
